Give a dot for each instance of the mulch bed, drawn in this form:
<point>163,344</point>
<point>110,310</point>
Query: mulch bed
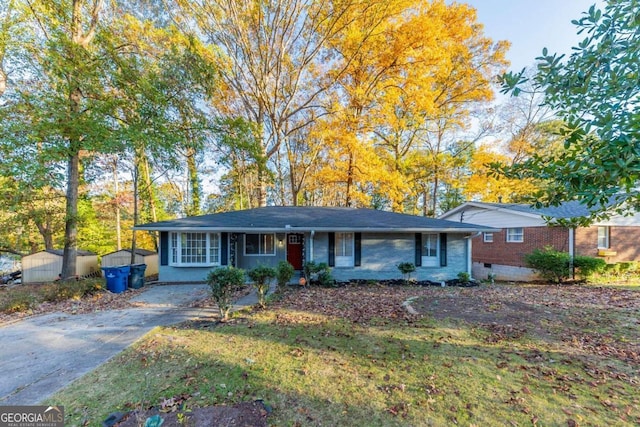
<point>246,414</point>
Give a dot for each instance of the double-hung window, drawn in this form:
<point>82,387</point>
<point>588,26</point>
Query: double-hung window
<point>430,250</point>
<point>259,244</point>
<point>515,235</point>
<point>194,249</point>
<point>603,237</point>
<point>344,250</point>
<point>488,237</point>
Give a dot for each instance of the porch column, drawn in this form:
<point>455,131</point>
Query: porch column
<point>311,234</point>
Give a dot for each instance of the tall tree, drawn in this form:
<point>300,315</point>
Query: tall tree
<point>51,110</point>
<point>275,61</point>
<point>416,71</point>
<point>596,92</point>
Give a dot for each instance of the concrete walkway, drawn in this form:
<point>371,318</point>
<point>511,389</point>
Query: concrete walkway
<point>41,355</point>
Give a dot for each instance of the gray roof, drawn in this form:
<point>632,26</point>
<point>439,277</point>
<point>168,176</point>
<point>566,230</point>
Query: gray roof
<point>138,251</point>
<point>566,210</point>
<point>283,218</point>
<point>60,252</point>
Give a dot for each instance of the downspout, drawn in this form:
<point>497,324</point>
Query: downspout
<point>572,250</point>
<point>469,247</point>
<point>313,232</point>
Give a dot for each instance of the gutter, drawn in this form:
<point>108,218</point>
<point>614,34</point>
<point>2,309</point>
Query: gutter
<point>320,229</point>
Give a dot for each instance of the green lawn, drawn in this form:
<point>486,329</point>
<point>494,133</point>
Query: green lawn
<point>353,356</point>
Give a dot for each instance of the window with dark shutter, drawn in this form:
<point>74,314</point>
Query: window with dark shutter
<point>224,248</point>
<point>443,250</point>
<point>357,260</point>
<point>418,260</point>
<point>332,249</point>
<point>164,248</point>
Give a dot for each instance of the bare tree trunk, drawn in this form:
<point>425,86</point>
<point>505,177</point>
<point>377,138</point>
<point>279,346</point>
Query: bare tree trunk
<point>135,211</point>
<point>80,38</point>
<point>116,190</point>
<point>194,202</point>
<point>70,252</point>
<point>47,235</point>
<point>347,200</point>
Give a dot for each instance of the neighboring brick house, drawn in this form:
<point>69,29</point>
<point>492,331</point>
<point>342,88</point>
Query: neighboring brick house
<point>524,228</point>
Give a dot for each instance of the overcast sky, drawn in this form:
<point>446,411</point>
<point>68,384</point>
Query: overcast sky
<point>531,25</point>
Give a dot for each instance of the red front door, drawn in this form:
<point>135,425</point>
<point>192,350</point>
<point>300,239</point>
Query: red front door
<point>294,250</point>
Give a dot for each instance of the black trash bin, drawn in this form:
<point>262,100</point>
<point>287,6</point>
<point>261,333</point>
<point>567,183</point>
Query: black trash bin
<point>136,276</point>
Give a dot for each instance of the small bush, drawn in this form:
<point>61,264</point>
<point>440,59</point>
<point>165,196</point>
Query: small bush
<point>406,268</point>
<point>628,267</point>
<point>284,273</point>
<point>319,273</point>
<point>72,289</point>
<point>464,277</point>
<point>587,266</point>
<point>18,301</point>
<point>551,264</point>
<point>261,277</point>
<point>223,281</point>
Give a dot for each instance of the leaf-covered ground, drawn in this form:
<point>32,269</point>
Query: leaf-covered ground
<point>99,301</point>
<point>358,355</point>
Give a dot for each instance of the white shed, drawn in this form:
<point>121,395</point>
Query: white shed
<point>123,257</point>
<point>46,266</point>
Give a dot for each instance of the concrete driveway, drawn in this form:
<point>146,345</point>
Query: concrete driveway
<point>41,355</point>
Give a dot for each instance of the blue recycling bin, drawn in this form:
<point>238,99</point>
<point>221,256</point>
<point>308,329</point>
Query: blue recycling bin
<point>117,278</point>
<point>136,276</point>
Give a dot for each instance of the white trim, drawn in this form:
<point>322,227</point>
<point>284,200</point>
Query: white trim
<point>607,237</point>
<point>260,244</point>
<point>509,238</point>
<point>427,260</point>
<point>176,256</point>
<point>488,207</point>
<point>349,245</point>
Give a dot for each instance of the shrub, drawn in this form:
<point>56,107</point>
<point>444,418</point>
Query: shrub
<point>587,266</point>
<point>464,277</point>
<point>284,273</point>
<point>223,281</point>
<point>318,273</point>
<point>17,302</point>
<point>406,268</point>
<point>628,267</point>
<point>551,264</point>
<point>72,289</point>
<point>261,277</point>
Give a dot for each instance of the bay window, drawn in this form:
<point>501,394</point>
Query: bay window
<point>194,249</point>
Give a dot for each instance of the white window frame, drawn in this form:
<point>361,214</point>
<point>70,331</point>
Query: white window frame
<point>515,236</point>
<point>603,237</point>
<point>430,250</point>
<point>180,253</point>
<point>262,244</point>
<point>487,237</point>
<point>344,249</point>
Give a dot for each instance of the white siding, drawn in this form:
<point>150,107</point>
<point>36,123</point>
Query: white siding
<point>123,257</point>
<point>86,264</point>
<point>46,267</point>
<point>504,273</point>
<point>497,218</point>
<point>41,267</point>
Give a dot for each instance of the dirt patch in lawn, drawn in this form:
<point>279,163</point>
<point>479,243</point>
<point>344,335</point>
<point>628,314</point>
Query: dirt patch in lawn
<point>591,320</point>
<point>247,414</point>
<point>582,319</point>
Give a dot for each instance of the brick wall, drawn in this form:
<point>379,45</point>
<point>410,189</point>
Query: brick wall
<point>502,252</point>
<point>624,240</point>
